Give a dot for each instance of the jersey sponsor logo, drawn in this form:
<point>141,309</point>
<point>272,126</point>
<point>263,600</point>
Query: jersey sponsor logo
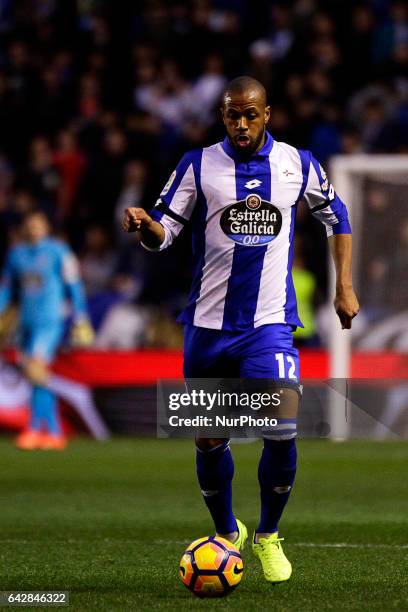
<point>169,183</point>
<point>252,184</point>
<point>251,222</point>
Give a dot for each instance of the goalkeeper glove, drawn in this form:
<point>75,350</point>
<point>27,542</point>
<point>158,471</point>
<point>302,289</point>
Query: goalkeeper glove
<point>8,322</point>
<point>82,333</point>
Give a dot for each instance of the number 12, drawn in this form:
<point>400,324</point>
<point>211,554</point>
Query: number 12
<point>281,365</point>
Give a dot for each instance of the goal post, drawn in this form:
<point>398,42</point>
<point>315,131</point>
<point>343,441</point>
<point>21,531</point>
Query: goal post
<point>348,173</point>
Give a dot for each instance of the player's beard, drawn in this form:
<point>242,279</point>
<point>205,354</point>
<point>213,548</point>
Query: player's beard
<point>251,149</point>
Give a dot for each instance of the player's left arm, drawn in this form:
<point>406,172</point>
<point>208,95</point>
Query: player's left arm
<point>82,333</point>
<point>328,208</point>
<point>345,301</point>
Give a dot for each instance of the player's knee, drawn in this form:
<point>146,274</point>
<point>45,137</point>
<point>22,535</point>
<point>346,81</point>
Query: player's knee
<point>36,370</point>
<point>205,444</point>
<point>289,403</point>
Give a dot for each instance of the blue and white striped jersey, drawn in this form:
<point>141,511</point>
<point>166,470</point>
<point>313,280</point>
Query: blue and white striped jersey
<point>242,213</point>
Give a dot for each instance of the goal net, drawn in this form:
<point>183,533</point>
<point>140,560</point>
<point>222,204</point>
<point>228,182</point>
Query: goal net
<point>375,188</point>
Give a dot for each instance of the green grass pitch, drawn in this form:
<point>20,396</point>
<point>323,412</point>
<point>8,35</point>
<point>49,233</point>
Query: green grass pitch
<point>109,522</point>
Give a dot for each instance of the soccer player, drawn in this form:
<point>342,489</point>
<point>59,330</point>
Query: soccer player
<point>240,197</point>
<point>39,273</point>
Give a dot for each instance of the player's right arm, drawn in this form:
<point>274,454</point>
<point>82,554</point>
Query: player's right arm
<point>150,232</point>
<point>172,210</point>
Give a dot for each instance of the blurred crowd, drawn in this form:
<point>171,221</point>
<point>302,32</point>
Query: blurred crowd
<point>99,99</point>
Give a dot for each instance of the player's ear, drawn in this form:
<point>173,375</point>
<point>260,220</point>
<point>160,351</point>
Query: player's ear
<point>267,114</point>
<point>222,114</point>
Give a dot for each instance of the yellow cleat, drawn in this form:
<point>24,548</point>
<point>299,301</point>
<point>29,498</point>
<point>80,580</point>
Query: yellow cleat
<point>275,565</point>
<point>242,535</point>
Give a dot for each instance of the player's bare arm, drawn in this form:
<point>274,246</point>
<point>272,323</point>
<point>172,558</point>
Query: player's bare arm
<point>345,301</point>
<point>150,232</point>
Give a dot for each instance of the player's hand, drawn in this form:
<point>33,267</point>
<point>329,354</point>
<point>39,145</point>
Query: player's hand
<point>346,305</point>
<point>136,218</point>
<point>82,334</point>
<point>36,370</point>
<point>3,325</point>
<point>8,324</point>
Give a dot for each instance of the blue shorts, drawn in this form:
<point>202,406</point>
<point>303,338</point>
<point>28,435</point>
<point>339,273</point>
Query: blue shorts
<point>42,341</point>
<point>264,352</point>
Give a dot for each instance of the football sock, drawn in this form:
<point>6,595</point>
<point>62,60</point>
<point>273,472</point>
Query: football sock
<point>44,411</point>
<point>276,475</point>
<point>215,470</point>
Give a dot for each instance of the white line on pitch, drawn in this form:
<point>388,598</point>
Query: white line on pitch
<point>312,544</point>
<point>346,545</point>
<point>185,543</point>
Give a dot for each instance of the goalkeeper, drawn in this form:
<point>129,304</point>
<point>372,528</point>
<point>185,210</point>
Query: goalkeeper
<point>39,273</point>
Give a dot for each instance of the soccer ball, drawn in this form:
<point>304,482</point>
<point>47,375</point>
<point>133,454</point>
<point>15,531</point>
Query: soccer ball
<point>211,567</point>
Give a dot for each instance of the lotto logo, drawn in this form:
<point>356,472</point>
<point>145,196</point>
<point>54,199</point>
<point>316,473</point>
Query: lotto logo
<point>252,184</point>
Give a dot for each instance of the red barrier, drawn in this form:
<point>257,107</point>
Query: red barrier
<point>112,368</point>
<point>145,367</point>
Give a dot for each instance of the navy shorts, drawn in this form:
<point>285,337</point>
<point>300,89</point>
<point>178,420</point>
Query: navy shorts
<point>264,352</point>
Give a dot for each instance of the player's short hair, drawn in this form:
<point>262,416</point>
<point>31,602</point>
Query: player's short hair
<point>242,84</point>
